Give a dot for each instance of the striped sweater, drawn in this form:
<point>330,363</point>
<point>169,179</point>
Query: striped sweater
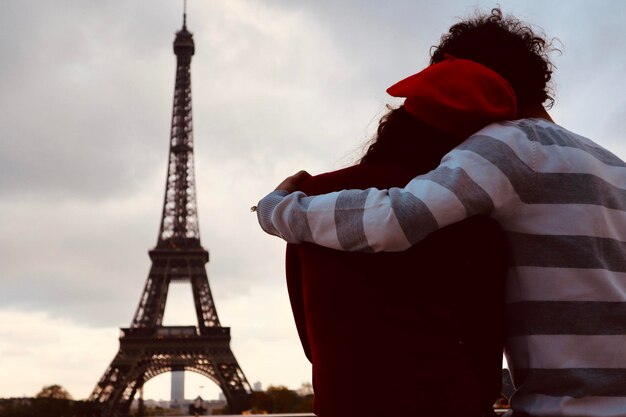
<point>561,199</point>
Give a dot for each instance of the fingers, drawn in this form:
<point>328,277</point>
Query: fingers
<point>291,184</point>
<point>300,176</point>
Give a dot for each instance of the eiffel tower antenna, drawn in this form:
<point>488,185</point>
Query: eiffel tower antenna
<point>147,348</point>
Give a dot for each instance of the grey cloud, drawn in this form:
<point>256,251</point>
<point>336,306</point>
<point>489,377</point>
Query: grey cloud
<point>72,123</point>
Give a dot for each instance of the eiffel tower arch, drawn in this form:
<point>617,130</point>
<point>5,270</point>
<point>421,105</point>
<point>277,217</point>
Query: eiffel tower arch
<point>147,348</point>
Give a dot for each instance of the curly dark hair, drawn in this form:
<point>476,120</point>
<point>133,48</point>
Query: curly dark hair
<point>509,47</point>
<point>502,43</point>
<point>402,139</point>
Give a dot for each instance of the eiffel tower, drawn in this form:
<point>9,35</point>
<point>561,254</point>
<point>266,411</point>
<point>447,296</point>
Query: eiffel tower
<point>147,348</point>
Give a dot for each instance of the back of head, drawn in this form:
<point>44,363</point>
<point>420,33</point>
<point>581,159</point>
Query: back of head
<point>506,45</point>
<point>503,44</point>
<point>402,139</point>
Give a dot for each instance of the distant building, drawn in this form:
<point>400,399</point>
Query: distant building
<point>257,386</point>
<point>178,388</point>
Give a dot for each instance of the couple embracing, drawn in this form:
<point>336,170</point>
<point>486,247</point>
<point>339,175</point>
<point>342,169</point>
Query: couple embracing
<point>472,224</point>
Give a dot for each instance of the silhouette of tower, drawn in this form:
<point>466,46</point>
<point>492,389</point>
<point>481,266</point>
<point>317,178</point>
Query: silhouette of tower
<point>147,348</point>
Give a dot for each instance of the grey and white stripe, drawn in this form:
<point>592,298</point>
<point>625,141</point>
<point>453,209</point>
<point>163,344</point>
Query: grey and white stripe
<point>549,135</point>
<point>565,284</point>
<point>407,208</point>
<point>566,317</point>
<point>472,196</point>
<point>585,252</point>
<point>545,405</point>
<point>548,351</point>
<point>350,230</point>
<point>573,382</point>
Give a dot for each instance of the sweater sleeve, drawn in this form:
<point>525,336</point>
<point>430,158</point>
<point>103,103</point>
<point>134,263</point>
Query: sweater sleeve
<point>484,175</point>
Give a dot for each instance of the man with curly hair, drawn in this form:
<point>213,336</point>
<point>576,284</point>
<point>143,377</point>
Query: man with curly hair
<point>561,199</point>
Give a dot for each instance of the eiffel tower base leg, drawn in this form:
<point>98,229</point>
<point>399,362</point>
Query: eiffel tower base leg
<point>140,405</point>
<point>146,353</point>
<point>238,405</point>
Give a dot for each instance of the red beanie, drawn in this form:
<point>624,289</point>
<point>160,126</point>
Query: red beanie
<point>457,96</point>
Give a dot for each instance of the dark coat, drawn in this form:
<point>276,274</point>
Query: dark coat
<point>414,333</point>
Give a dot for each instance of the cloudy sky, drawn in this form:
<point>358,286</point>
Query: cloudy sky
<point>85,105</point>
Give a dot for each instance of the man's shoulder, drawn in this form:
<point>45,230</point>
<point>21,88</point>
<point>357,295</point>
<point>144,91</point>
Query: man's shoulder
<point>552,141</point>
<point>513,130</point>
<point>504,140</point>
<point>533,130</point>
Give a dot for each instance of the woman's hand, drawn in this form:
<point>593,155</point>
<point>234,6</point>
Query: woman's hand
<point>291,184</point>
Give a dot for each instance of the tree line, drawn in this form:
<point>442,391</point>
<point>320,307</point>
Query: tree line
<point>55,401</point>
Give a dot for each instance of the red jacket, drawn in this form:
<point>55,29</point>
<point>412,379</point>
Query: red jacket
<point>414,333</point>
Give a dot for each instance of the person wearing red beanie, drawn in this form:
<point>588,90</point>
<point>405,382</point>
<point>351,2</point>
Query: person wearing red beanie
<point>457,96</point>
<point>429,341</point>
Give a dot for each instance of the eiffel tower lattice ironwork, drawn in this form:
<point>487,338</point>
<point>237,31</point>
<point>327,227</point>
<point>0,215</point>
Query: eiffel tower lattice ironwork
<point>147,348</point>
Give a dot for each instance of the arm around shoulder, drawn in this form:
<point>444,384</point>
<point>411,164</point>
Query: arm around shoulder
<point>478,177</point>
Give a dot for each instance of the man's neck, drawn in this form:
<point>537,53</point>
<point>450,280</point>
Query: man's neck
<point>534,111</point>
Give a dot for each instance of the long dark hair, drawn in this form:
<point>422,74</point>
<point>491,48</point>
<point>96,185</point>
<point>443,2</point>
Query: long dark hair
<point>403,139</point>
